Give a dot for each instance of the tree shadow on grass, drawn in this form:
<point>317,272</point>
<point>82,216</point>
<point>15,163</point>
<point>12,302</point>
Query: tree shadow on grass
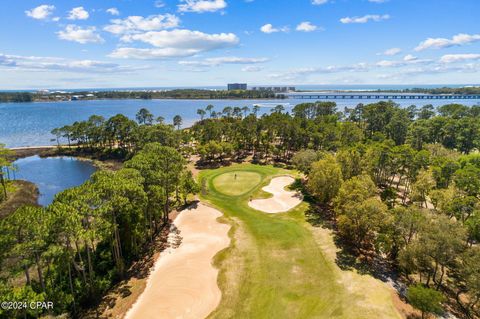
<point>200,165</point>
<point>348,257</point>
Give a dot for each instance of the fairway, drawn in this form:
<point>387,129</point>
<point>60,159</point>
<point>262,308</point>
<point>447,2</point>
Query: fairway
<point>275,266</point>
<point>236,182</point>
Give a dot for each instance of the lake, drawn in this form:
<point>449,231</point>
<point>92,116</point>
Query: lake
<point>52,175</point>
<point>30,124</point>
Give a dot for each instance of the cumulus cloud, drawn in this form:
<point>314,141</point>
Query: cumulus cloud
<point>174,43</point>
<point>440,43</point>
<point>41,12</point>
<point>306,27</point>
<point>319,2</point>
<point>200,6</point>
<point>224,60</point>
<point>409,58</point>
<point>365,18</point>
<point>135,24</point>
<point>78,13</point>
<point>451,58</point>
<point>268,28</point>
<point>81,35</point>
<point>113,11</point>
<point>391,52</point>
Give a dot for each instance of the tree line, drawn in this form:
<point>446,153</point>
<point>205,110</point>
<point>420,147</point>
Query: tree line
<point>145,95</point>
<point>75,249</point>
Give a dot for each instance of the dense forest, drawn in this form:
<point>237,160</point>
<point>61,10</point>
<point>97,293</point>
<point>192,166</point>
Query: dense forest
<point>78,247</point>
<point>399,186</point>
<point>146,95</point>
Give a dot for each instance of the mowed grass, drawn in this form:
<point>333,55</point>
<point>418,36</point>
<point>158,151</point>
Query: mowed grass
<point>236,182</point>
<point>274,267</point>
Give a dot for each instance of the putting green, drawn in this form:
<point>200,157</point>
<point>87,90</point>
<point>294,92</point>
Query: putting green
<point>236,183</point>
<point>276,267</point>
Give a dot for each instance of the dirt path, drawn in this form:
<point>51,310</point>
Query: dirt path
<point>282,199</point>
<point>183,283</point>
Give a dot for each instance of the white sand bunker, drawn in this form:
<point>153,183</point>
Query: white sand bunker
<point>183,283</point>
<point>282,199</point>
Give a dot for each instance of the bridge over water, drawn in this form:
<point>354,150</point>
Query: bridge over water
<point>380,96</point>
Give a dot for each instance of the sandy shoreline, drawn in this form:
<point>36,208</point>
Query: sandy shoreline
<point>282,199</point>
<point>183,282</point>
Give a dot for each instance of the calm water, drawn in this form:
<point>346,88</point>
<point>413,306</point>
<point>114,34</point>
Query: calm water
<point>29,124</point>
<point>53,174</point>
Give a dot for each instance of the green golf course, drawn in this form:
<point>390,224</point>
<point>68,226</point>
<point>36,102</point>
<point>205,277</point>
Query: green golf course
<point>276,265</point>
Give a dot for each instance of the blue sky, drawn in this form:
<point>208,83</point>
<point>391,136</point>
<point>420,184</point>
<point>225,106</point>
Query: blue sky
<point>138,43</point>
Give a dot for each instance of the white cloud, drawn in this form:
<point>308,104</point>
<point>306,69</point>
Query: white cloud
<point>268,28</point>
<point>378,1</point>
<point>135,24</point>
<point>451,58</point>
<point>306,27</point>
<point>409,58</point>
<point>159,4</point>
<point>36,63</point>
<point>174,43</point>
<point>224,60</point>
<point>81,35</point>
<point>151,54</point>
<point>113,11</point>
<point>319,2</point>
<point>365,18</point>
<point>252,68</point>
<point>41,12</point>
<point>440,43</point>
<point>201,6</point>
<point>78,13</point>
<point>301,73</point>
<point>391,52</point>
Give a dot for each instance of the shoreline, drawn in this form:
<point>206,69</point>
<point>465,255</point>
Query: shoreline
<point>183,282</point>
<point>161,99</point>
<point>27,151</point>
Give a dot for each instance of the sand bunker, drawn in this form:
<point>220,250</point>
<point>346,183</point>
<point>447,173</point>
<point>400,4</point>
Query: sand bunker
<point>282,199</point>
<point>183,283</point>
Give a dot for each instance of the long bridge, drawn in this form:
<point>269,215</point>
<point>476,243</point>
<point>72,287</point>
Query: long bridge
<point>381,96</point>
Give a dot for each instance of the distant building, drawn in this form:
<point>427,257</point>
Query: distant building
<point>237,86</point>
<point>276,89</point>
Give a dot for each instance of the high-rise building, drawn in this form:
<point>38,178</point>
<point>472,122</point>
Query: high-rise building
<point>237,86</point>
